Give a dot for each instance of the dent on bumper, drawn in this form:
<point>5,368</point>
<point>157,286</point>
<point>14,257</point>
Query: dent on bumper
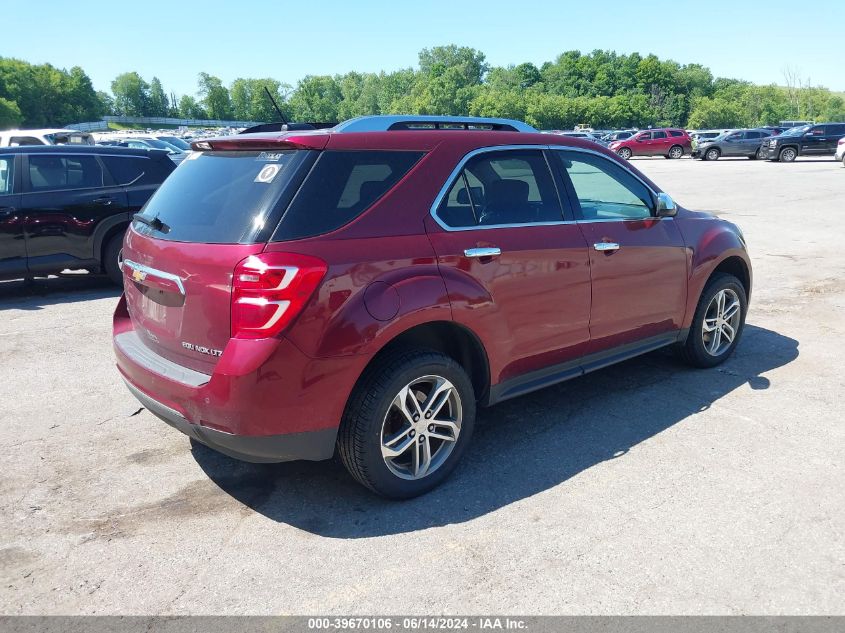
<point>309,445</point>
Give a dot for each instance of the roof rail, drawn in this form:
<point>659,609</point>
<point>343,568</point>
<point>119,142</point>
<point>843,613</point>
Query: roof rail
<point>389,122</point>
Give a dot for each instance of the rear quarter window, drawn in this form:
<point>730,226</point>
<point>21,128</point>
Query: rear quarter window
<point>341,186</point>
<point>137,170</point>
<point>675,133</point>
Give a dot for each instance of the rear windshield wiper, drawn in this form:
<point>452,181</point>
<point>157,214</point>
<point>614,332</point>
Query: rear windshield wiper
<point>153,223</point>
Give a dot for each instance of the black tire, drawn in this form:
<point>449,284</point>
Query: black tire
<point>712,154</point>
<point>111,259</point>
<point>359,440</point>
<point>673,149</point>
<point>624,153</point>
<point>761,154</point>
<point>787,155</point>
<point>693,350</point>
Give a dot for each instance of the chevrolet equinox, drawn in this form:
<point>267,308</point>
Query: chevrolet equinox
<point>362,290</point>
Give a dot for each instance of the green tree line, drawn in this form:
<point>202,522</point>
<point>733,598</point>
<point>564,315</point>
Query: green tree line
<point>602,89</point>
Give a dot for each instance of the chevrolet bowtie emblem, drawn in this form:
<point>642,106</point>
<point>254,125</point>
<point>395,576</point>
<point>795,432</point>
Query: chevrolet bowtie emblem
<point>138,275</point>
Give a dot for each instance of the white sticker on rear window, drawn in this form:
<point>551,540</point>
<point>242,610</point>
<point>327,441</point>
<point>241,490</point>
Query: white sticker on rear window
<point>267,173</point>
<point>269,157</point>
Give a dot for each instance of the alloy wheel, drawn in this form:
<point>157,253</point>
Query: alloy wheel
<point>721,322</point>
<point>624,153</point>
<point>421,427</point>
<point>676,152</point>
<point>712,154</point>
<point>788,155</point>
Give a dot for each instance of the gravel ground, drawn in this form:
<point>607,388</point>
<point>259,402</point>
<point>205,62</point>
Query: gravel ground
<point>646,488</point>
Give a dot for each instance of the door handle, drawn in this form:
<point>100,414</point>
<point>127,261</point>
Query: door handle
<point>103,200</point>
<point>490,251</point>
<point>604,247</point>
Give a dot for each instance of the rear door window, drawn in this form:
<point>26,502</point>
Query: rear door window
<point>225,197</point>
<point>52,172</point>
<point>341,186</point>
<point>511,187</point>
<point>657,135</point>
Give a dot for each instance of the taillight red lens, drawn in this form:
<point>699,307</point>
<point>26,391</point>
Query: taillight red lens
<point>270,289</point>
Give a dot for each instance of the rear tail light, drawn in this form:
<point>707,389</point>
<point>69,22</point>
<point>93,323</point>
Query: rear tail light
<point>270,289</point>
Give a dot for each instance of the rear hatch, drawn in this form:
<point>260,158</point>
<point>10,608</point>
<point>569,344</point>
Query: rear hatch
<point>214,210</point>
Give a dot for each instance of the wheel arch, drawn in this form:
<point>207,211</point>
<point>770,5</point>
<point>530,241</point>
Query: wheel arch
<point>736,266</point>
<point>107,229</point>
<point>449,338</point>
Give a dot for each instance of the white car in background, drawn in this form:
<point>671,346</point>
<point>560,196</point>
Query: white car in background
<point>47,136</point>
<point>840,151</point>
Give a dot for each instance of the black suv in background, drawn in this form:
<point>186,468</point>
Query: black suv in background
<point>68,206</point>
<point>810,140</point>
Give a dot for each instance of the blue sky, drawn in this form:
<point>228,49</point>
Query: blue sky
<point>175,40</point>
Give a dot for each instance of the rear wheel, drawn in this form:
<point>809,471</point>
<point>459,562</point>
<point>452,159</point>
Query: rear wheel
<point>712,154</point>
<point>111,259</point>
<point>624,153</point>
<point>718,322</point>
<point>676,151</point>
<point>407,423</point>
<point>787,155</point>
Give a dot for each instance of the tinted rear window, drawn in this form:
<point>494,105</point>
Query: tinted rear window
<point>341,186</point>
<point>225,197</point>
<point>137,170</point>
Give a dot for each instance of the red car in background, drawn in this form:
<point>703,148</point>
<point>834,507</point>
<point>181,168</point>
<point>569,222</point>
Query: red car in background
<point>361,290</point>
<point>667,142</point>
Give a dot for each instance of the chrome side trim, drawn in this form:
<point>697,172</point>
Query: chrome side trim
<point>495,148</point>
<point>146,270</point>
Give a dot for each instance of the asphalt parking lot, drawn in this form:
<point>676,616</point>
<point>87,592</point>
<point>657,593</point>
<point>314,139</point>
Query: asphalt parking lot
<point>646,488</point>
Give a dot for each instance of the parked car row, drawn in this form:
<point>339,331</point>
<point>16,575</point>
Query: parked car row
<point>774,144</point>
<point>68,206</point>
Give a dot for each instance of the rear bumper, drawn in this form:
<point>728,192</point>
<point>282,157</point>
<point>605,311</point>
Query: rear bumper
<point>310,445</point>
<point>265,401</point>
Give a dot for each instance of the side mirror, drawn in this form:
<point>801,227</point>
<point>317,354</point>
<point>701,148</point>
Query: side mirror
<point>666,206</point>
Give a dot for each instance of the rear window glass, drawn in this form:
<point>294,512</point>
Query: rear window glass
<point>675,133</point>
<point>341,186</point>
<point>225,197</point>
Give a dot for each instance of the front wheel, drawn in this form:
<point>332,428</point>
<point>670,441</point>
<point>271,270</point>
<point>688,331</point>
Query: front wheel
<point>407,423</point>
<point>718,322</point>
<point>624,153</point>
<point>676,151</point>
<point>712,154</point>
<point>788,154</point>
<point>761,154</point>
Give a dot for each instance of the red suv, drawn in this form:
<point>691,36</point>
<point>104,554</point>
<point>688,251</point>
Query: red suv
<point>668,142</point>
<point>365,288</point>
